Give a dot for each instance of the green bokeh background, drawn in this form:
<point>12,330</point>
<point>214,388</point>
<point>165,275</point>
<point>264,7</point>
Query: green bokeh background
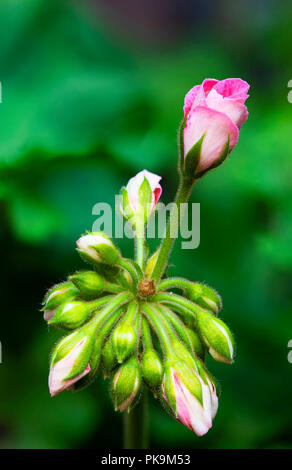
<point>90,96</point>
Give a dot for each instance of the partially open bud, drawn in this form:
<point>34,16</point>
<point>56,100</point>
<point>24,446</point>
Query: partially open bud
<point>213,114</point>
<point>89,283</point>
<point>109,359</point>
<point>204,296</point>
<point>56,296</point>
<point>70,359</point>
<point>188,397</point>
<point>70,314</point>
<point>209,380</point>
<point>152,368</point>
<point>126,385</point>
<point>140,195</point>
<point>216,336</point>
<point>96,247</point>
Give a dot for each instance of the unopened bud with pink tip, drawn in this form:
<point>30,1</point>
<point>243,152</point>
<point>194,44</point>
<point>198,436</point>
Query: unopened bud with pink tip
<point>140,196</point>
<point>188,397</point>
<point>56,296</point>
<point>216,336</point>
<point>96,247</point>
<point>70,359</point>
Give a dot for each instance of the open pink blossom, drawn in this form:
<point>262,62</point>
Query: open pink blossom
<point>61,369</point>
<point>214,110</point>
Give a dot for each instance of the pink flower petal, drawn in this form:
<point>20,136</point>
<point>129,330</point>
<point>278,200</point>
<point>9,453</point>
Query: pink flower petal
<point>233,88</point>
<point>216,126</point>
<point>232,108</point>
<point>197,94</point>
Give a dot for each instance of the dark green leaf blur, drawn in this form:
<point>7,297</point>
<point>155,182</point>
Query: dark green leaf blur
<point>92,93</point>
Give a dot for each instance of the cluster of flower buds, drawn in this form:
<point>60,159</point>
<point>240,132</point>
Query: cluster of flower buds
<point>119,316</point>
<point>159,341</point>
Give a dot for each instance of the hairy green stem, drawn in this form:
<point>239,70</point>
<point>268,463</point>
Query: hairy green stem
<point>154,318</point>
<point>180,304</point>
<point>128,266</point>
<point>146,335</point>
<point>139,241</point>
<point>183,195</point>
<point>136,425</point>
<point>116,302</point>
<point>112,287</point>
<point>177,324</point>
<point>174,283</point>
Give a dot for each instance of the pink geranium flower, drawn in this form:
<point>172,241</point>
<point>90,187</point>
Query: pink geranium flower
<point>214,110</point>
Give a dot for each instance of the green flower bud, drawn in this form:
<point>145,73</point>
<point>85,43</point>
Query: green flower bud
<point>152,368</point>
<point>126,385</point>
<point>216,336</point>
<point>56,296</point>
<point>96,247</point>
<point>205,296</point>
<point>89,283</point>
<point>124,337</point>
<point>109,359</point>
<point>199,348</point>
<point>70,315</point>
<point>124,340</point>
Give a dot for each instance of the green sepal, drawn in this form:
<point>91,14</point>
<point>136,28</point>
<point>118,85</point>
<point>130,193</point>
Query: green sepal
<point>192,159</point>
<point>150,265</point>
<point>127,210</point>
<point>144,201</point>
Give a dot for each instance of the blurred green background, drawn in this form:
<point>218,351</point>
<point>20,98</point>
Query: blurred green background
<point>92,94</point>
